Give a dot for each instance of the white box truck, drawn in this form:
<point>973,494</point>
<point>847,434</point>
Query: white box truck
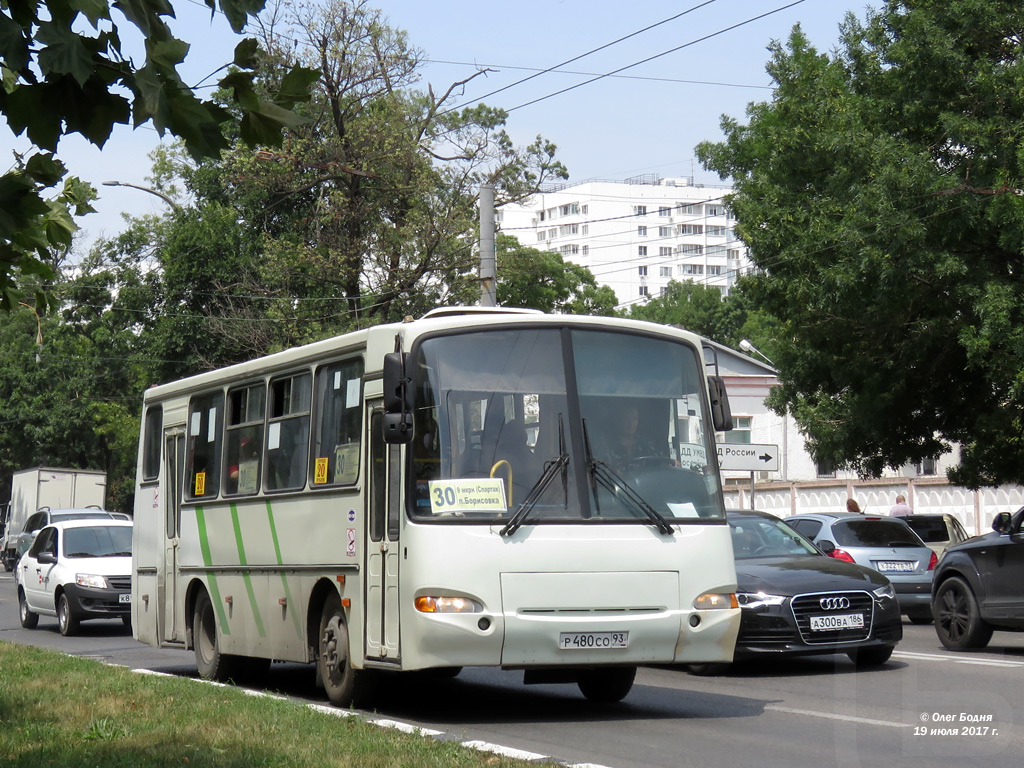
<point>33,489</point>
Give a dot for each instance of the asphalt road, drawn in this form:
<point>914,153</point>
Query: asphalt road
<point>926,707</point>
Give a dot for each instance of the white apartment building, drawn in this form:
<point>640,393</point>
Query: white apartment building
<point>636,235</point>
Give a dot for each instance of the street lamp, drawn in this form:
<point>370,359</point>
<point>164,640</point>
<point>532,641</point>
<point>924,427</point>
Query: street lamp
<point>749,348</point>
<point>161,195</point>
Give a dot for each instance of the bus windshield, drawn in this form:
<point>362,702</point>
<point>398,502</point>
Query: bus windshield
<point>578,425</point>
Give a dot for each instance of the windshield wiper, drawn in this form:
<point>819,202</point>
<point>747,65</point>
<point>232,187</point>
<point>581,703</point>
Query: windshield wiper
<point>81,554</point>
<point>551,469</point>
<point>603,475</point>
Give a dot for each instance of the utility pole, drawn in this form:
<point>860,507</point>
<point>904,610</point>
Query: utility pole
<point>488,269</point>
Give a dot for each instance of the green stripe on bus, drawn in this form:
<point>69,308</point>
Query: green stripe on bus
<point>211,577</point>
<point>245,572</point>
<point>284,576</point>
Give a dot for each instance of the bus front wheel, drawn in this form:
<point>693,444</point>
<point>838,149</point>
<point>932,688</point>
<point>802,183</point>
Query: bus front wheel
<point>606,685</point>
<point>345,686</point>
<point>211,663</point>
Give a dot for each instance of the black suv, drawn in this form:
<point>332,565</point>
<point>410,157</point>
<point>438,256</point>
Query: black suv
<point>977,586</point>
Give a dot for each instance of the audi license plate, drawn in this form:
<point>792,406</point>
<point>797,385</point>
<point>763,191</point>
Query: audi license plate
<point>587,640</point>
<point>896,566</point>
<point>837,621</point>
<point>125,598</point>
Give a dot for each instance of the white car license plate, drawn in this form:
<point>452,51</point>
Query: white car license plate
<point>125,598</point>
<point>896,566</point>
<point>838,621</point>
<point>587,640</point>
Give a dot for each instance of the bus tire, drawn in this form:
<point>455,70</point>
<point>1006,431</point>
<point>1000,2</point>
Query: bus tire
<point>345,686</point>
<point>606,685</point>
<point>211,663</point>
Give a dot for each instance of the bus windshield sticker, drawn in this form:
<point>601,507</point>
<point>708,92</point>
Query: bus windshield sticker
<point>683,510</point>
<point>468,495</point>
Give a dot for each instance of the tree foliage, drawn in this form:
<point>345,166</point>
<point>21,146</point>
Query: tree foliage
<point>367,212</point>
<point>65,70</point>
<point>542,280</point>
<point>880,192</point>
<point>698,308</point>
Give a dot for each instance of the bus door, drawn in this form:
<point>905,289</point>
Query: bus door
<point>172,627</point>
<point>383,553</point>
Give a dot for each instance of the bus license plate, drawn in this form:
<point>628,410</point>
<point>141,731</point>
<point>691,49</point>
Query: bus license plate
<point>587,640</point>
<point>843,621</point>
<point>125,598</point>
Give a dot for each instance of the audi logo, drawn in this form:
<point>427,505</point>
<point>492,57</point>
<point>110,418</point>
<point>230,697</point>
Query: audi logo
<point>834,603</point>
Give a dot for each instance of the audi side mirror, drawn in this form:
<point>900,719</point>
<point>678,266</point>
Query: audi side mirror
<point>827,547</point>
<point>1001,523</point>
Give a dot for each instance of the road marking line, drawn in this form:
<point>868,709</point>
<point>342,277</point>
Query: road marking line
<point>497,749</point>
<point>957,659</point>
<point>834,716</point>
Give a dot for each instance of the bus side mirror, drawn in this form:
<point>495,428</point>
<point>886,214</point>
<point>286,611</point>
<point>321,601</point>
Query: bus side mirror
<point>721,414</point>
<point>397,400</point>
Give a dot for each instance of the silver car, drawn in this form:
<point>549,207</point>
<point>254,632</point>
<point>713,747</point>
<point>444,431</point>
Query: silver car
<point>886,544</point>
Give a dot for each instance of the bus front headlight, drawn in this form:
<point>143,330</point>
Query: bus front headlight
<point>710,601</point>
<point>429,604</point>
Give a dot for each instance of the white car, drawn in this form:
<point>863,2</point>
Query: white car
<point>75,570</point>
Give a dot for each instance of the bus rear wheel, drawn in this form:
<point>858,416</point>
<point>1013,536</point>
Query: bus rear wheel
<point>345,686</point>
<point>211,663</point>
<point>606,685</point>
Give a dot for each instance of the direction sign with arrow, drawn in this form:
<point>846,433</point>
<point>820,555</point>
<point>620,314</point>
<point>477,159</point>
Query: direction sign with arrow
<point>748,457</point>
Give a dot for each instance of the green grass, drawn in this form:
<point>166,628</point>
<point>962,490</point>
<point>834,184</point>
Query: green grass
<point>58,710</point>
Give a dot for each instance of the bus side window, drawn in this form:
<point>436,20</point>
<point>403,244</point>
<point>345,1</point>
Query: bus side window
<point>152,432</point>
<point>288,432</point>
<point>338,423</point>
<point>244,439</point>
<point>204,436</point>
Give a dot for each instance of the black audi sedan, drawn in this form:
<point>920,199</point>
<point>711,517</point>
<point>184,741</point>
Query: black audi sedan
<point>796,600</point>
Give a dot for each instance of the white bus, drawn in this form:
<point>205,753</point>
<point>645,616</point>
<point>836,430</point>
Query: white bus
<point>475,488</point>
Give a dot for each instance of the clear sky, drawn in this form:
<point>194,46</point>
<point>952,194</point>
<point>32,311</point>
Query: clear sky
<point>647,120</point>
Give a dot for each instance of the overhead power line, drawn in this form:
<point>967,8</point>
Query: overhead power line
<point>588,53</point>
<point>657,55</point>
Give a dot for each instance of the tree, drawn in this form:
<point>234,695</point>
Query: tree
<point>698,308</point>
<point>367,213</point>
<point>64,71</point>
<point>542,280</point>
<point>880,195</point>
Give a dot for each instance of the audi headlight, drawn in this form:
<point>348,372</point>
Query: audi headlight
<point>429,604</point>
<point>755,600</point>
<point>885,592</point>
<point>89,580</point>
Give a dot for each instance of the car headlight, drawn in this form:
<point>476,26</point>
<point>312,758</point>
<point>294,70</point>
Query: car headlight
<point>755,600</point>
<point>715,600</point>
<point>89,580</point>
<point>428,604</point>
<point>885,592</point>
